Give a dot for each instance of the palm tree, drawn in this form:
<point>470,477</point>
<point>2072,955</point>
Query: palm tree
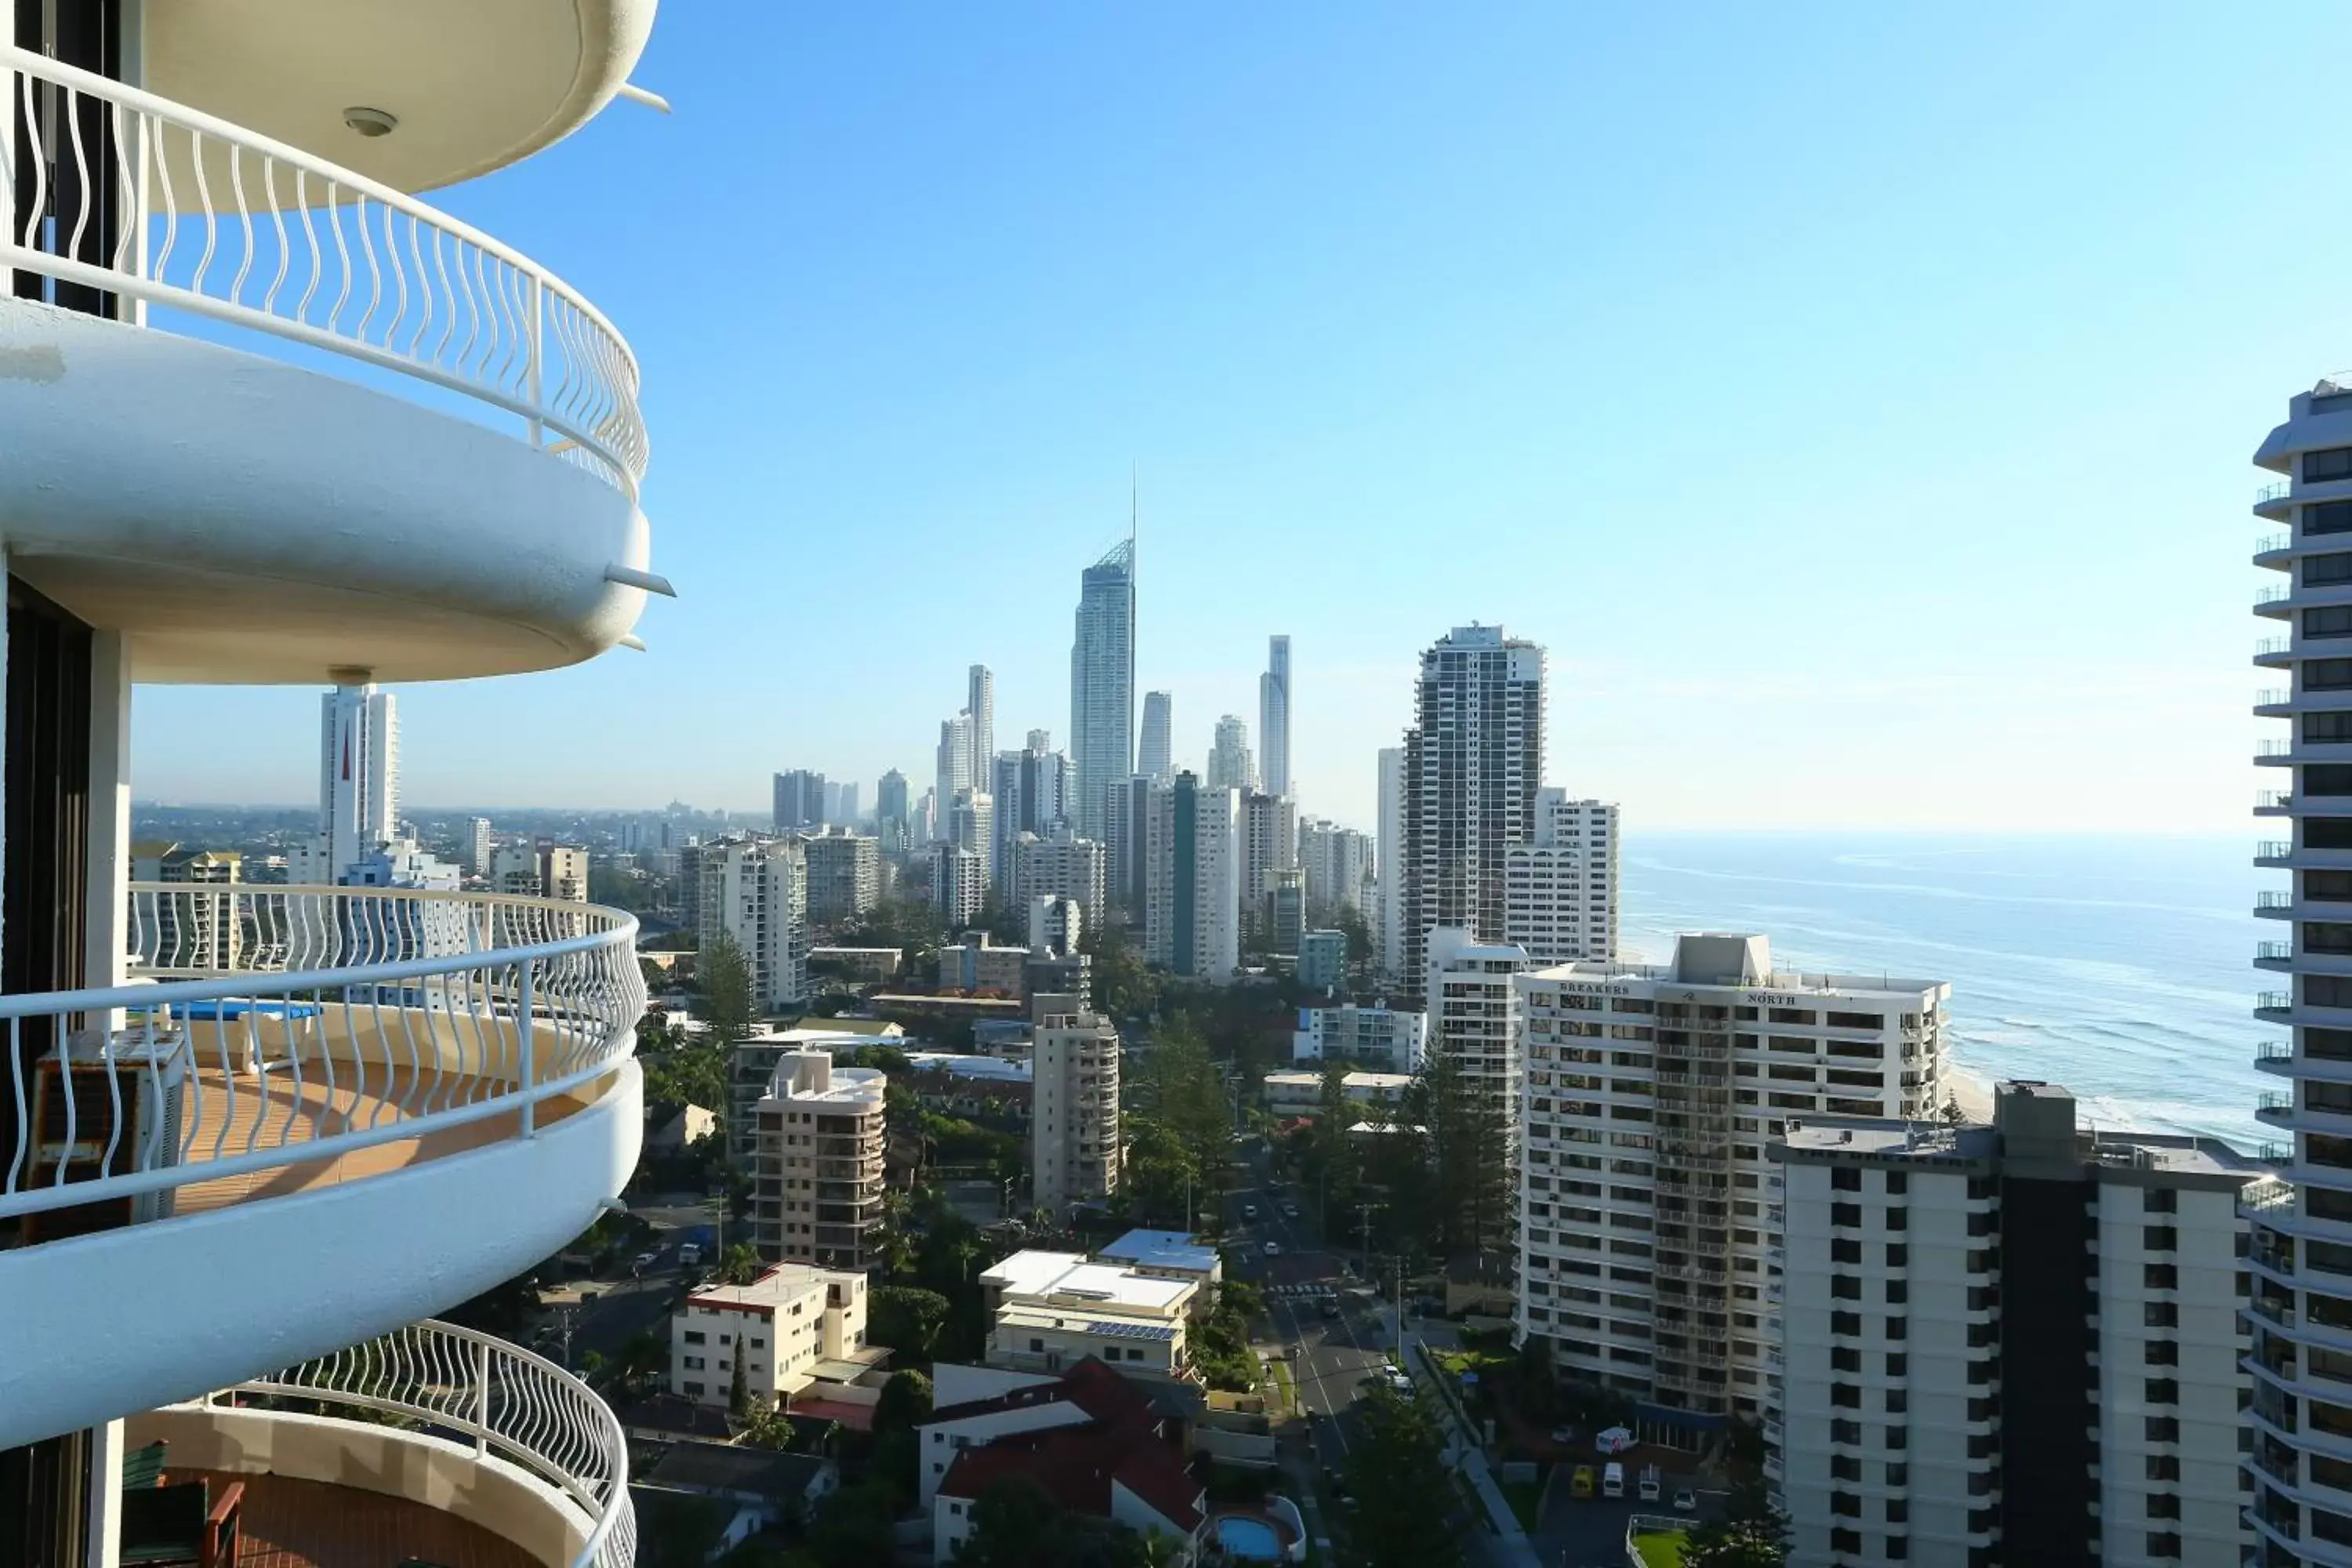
<point>741,1265</point>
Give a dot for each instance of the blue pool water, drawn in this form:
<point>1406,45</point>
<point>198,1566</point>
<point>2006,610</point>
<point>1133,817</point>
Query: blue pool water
<point>1249,1538</point>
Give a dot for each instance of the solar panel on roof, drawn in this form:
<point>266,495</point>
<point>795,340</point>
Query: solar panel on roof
<point>1132,1331</point>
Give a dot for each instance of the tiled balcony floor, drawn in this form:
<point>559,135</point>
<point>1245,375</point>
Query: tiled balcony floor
<point>311,1524</point>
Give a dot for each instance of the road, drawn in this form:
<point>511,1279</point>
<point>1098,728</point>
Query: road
<point>604,1314</point>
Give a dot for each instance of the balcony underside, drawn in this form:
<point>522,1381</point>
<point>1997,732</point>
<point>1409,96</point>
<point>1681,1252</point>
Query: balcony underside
<point>246,521</point>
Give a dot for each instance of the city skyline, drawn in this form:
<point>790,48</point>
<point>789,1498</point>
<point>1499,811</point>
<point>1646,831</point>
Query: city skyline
<point>1469,325</point>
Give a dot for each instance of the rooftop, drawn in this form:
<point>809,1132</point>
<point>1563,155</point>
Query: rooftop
<point>1362,1082</point>
<point>804,1075</point>
<point>1122,1444</point>
<point>783,1284</point>
<point>700,1467</point>
<point>961,1065</point>
<point>1040,1277</point>
<point>1162,1249</point>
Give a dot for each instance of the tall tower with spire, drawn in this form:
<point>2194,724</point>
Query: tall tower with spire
<point>1102,681</point>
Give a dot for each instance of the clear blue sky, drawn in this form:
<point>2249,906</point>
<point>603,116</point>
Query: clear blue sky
<point>1854,399</point>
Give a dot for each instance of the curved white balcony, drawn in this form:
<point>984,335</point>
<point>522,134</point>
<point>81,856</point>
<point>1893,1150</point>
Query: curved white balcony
<point>483,1429</point>
<point>457,499</point>
<point>375,1103</point>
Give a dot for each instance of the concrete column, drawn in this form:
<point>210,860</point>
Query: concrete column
<point>103,1544</point>
<point>107,921</point>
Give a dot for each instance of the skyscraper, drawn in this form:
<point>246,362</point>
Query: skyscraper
<point>1032,787</point>
<point>1193,893</point>
<point>799,801</point>
<point>1473,763</point>
<point>954,769</point>
<point>2301,1225</point>
<point>1563,886</point>
<point>893,812</point>
<point>1389,869</point>
<point>1273,717</point>
<point>1102,682</point>
<point>1152,758</point>
<point>359,773</point>
<point>980,701</point>
<point>1230,764</point>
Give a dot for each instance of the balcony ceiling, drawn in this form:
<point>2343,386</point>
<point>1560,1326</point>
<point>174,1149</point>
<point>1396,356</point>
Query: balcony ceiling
<point>474,85</point>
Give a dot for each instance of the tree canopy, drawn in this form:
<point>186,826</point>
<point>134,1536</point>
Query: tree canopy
<point>1396,1467</point>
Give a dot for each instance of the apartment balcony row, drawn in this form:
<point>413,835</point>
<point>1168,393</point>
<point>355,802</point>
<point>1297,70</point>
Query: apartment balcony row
<point>432,1444</point>
<point>396,1099</point>
<point>386,439</point>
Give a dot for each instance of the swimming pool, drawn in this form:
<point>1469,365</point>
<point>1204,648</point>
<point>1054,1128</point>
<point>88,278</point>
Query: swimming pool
<point>1251,1538</point>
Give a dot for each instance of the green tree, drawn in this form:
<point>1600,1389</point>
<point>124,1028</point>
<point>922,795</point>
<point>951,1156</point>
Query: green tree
<point>1123,987</point>
<point>852,1528</point>
<point>1733,1543</point>
<point>680,1531</point>
<point>724,980</point>
<point>741,1265</point>
<point>904,1403</point>
<point>906,1317</point>
<point>738,1389</point>
<point>1394,1467</point>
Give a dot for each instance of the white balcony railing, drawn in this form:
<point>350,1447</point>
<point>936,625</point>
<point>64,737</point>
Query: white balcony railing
<point>271,1027</point>
<point>503,1399</point>
<point>228,224</point>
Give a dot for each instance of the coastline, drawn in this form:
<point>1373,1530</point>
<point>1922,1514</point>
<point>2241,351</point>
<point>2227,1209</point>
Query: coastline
<point>1971,1088</point>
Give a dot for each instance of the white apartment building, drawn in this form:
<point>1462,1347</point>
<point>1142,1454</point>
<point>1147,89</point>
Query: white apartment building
<point>952,769</point>
<point>971,825</point>
<point>1375,1038</point>
<point>1269,842</point>
<point>782,1327</point>
<point>1192,910</point>
<point>1562,888</point>
<point>1339,865</point>
<point>514,870</point>
<point>2020,1342</point>
<point>1060,865</point>
<point>751,1076</point>
<point>980,705</point>
<point>2300,1462</point>
<point>755,891</point>
<point>1074,1123</point>
<point>1473,763</point>
<point>1274,715</point>
<point>845,875</point>
<point>1056,925</point>
<point>1049,1311</point>
<point>1474,1011</point>
<point>976,963</point>
<point>958,883</point>
<point>816,1162</point>
<point>1653,1093</point>
<point>478,846</point>
<point>563,872</point>
<point>379,495</point>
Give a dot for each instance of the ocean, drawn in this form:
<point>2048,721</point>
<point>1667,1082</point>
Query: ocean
<point>2119,966</point>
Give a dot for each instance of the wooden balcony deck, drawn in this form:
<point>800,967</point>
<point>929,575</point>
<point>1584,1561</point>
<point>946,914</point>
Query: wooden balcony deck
<point>311,1524</point>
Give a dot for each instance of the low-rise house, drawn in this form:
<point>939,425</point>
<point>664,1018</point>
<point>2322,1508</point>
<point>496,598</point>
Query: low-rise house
<point>671,1128</point>
<point>794,1327</point>
<point>1300,1094</point>
<point>1170,1254</point>
<point>1050,1310</point>
<point>1096,1441</point>
<point>763,1486</point>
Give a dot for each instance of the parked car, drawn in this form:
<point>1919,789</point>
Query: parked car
<point>1686,1501</point>
<point>1273,1249</point>
<point>1290,1211</point>
<point>690,1254</point>
<point>1581,1483</point>
<point>1649,1483</point>
<point>642,1261</point>
<point>1249,1211</point>
<point>1563,1436</point>
<point>1399,1379</point>
<point>1612,1479</point>
<point>1329,1307</point>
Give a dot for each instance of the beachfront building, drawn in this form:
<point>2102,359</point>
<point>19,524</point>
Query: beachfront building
<point>1647,1253</point>
<point>269,417</point>
<point>1562,897</point>
<point>1376,1038</point>
<point>2019,1340</point>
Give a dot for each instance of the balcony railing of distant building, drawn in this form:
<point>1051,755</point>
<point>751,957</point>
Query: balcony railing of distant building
<point>269,1026</point>
<point>162,204</point>
<point>508,1402</point>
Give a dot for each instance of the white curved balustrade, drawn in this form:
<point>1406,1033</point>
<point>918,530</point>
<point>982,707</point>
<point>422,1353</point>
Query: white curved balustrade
<point>501,1398</point>
<point>156,201</point>
<point>281,1036</point>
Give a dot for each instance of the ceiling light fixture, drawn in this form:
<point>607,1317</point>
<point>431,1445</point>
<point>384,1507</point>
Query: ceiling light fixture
<point>370,122</point>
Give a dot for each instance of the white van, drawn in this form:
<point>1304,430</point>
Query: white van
<point>1649,1483</point>
<point>1612,1479</point>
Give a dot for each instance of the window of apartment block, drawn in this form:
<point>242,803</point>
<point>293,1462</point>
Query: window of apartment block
<point>1845,1287</point>
<point>1898,1401</point>
<point>2164,1466</point>
<point>1845,1395</point>
<point>1898,1293</point>
<point>1845,1505</point>
<point>1844,1250</point>
<point>2161,1314</point>
<point>1898,1328</point>
<point>1898,1184</point>
<point>1845,1322</point>
<point>2161,1352</point>
<point>2164,1505</point>
<point>1898,1549</point>
<point>2163,1429</point>
<point>2160,1238</point>
<point>1844,1540</point>
<point>2163,1544</point>
<point>1898,1474</point>
<point>2160,1200</point>
<point>2327,463</point>
<point>1898,1255</point>
<point>1897,1364</point>
<point>1845,1358</point>
<point>1843,1430</point>
<point>1844,1468</point>
<point>1845,1214</point>
<point>2159,1277</point>
<point>1898,1218</point>
<point>1845,1178</point>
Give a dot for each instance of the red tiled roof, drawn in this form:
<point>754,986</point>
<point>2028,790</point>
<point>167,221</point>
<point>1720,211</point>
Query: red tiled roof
<point>856,1417</point>
<point>1076,1464</point>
